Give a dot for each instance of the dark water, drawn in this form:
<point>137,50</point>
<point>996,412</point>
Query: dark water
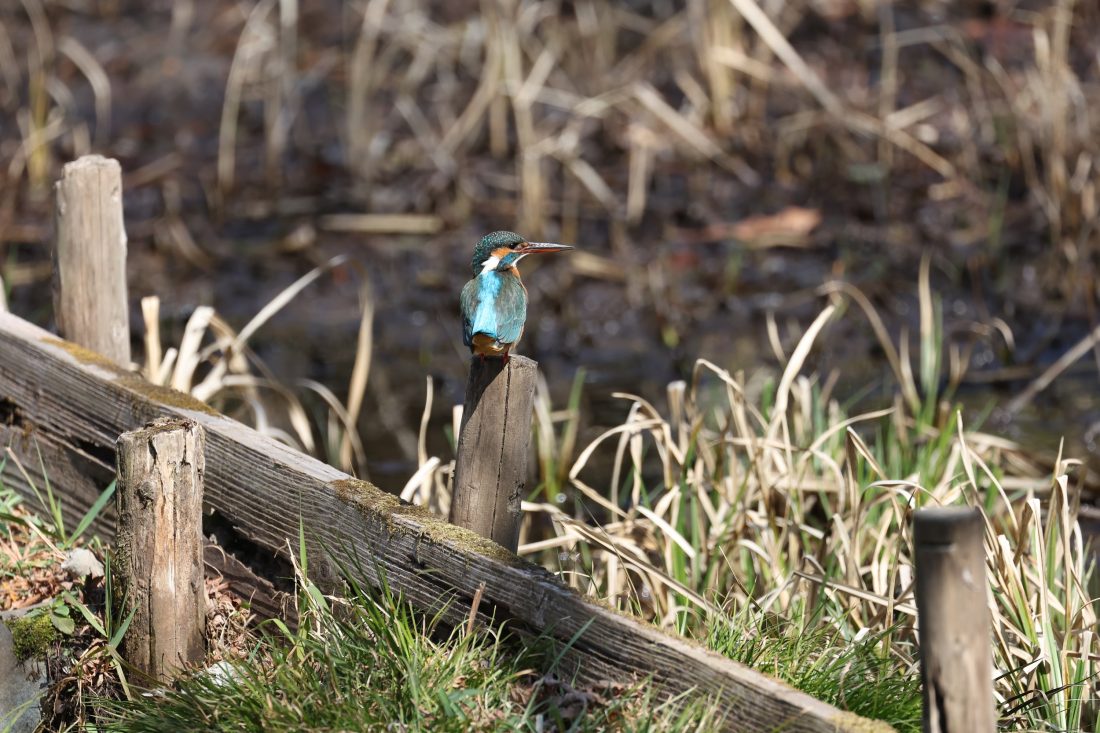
<point>623,343</point>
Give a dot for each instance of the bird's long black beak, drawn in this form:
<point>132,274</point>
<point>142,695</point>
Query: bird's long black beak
<point>530,248</point>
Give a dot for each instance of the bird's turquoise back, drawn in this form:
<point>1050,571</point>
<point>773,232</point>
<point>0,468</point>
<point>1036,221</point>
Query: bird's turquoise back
<point>495,304</point>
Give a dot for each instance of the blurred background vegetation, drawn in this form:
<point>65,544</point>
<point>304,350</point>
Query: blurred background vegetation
<point>717,162</point>
<point>807,231</point>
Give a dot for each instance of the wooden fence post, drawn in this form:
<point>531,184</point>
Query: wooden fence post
<point>953,615</point>
<point>158,547</point>
<point>90,258</point>
<point>491,461</point>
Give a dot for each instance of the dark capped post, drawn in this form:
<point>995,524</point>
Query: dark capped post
<point>953,615</point>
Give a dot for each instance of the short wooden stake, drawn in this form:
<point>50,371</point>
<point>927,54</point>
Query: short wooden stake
<point>158,547</point>
<point>90,258</point>
<point>953,615</point>
<point>491,465</point>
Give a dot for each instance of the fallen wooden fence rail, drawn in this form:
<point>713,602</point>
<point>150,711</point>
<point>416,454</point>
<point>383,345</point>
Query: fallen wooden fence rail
<point>77,403</point>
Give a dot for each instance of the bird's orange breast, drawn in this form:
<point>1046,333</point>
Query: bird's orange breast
<point>486,345</point>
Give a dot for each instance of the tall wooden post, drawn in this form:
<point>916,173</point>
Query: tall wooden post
<point>953,614</point>
<point>491,464</point>
<point>90,258</point>
<point>158,546</point>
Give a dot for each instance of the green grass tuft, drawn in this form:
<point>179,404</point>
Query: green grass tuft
<point>371,663</point>
<point>854,674</point>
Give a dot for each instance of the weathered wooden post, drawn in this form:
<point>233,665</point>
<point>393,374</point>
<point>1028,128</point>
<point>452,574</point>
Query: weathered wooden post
<point>953,614</point>
<point>491,461</point>
<point>158,546</point>
<point>90,258</point>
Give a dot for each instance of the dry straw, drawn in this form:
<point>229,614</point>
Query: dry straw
<point>780,502</point>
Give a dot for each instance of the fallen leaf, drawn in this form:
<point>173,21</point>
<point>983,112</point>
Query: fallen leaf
<point>790,226</point>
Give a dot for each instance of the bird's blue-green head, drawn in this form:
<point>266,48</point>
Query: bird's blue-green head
<point>501,251</point>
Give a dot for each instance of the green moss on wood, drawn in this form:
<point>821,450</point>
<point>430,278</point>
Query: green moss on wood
<point>156,393</point>
<point>165,395</point>
<point>377,504</point>
<point>84,355</point>
<point>852,723</point>
<point>31,636</point>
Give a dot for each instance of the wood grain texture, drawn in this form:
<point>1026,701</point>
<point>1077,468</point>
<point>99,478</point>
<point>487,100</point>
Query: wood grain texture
<point>491,460</point>
<point>265,488</point>
<point>158,547</point>
<point>90,258</point>
<point>954,623</point>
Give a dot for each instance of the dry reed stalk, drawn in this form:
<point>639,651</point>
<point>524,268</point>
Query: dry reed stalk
<point>529,169</point>
<point>488,89</point>
<point>9,67</point>
<point>782,48</point>
<point>97,79</point>
<point>150,312</point>
<point>420,484</point>
<point>39,65</point>
<point>356,130</point>
<point>1044,380</point>
<point>360,373</point>
<point>855,121</point>
<point>690,133</point>
<point>640,171</point>
<point>282,99</point>
<point>711,29</point>
<point>425,135</point>
<point>888,69</point>
<point>188,358</point>
<point>382,223</point>
<point>226,366</point>
<point>907,386</point>
<point>340,427</point>
<point>212,382</point>
<point>256,40</point>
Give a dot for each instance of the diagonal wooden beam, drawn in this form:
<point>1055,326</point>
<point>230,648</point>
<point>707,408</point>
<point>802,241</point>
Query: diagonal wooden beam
<point>69,396</point>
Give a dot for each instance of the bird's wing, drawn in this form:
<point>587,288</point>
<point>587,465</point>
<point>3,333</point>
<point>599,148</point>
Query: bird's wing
<point>511,310</point>
<point>469,307</point>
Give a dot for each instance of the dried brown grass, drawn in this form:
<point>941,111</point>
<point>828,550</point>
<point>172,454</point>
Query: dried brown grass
<point>736,498</point>
<point>213,363</point>
<point>580,112</point>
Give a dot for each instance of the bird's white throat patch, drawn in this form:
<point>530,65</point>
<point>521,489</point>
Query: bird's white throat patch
<point>493,261</point>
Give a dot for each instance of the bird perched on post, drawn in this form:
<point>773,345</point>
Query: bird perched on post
<point>494,302</point>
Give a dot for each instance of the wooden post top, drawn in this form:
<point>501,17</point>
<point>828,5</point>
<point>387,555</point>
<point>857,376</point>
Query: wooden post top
<point>89,161</point>
<point>90,295</point>
<point>945,525</point>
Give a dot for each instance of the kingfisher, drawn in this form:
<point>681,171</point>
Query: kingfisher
<point>494,302</point>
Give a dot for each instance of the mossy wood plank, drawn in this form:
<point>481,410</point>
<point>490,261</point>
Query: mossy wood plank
<point>265,488</point>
